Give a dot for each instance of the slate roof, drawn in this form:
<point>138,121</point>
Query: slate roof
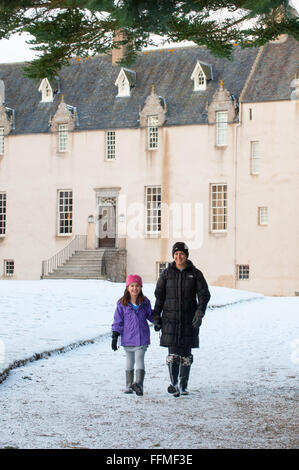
<point>274,72</point>
<point>208,70</point>
<point>89,86</point>
<point>131,76</point>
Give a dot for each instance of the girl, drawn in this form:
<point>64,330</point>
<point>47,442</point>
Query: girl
<point>130,322</point>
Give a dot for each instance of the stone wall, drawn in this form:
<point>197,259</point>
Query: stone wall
<point>114,265</point>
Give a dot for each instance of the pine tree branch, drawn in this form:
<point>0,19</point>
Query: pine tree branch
<point>62,28</point>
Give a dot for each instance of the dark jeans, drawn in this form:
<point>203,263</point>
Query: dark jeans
<point>182,351</point>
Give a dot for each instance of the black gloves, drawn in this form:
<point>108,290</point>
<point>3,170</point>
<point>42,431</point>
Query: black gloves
<point>158,325</point>
<point>196,322</point>
<point>115,336</point>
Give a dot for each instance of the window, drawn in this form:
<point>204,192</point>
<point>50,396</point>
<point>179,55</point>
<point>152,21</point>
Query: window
<point>2,213</point>
<point>218,207</point>
<point>221,128</point>
<point>200,78</point>
<point>110,145</point>
<point>62,137</point>
<point>65,212</point>
<point>124,87</point>
<point>161,265</point>
<point>263,215</point>
<point>123,81</point>
<point>46,91</point>
<point>152,122</point>
<point>243,272</point>
<point>254,158</point>
<point>153,209</point>
<point>1,140</point>
<point>9,267</point>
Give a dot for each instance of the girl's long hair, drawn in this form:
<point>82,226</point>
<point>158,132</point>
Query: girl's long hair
<point>126,298</point>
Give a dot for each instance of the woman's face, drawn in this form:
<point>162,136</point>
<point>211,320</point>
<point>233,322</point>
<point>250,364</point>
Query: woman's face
<point>180,259</point>
<point>134,289</point>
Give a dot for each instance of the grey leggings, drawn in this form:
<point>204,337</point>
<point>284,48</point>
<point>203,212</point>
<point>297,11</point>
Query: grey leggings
<point>135,358</point>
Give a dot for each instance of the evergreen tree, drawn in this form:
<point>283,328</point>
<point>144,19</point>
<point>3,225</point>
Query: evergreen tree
<point>62,29</point>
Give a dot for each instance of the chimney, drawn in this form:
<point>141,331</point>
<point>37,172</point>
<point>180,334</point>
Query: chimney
<point>118,50</point>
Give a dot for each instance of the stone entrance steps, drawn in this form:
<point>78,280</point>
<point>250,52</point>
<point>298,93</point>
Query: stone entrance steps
<point>85,264</point>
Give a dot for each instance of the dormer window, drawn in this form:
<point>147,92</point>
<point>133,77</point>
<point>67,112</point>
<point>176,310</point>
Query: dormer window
<point>125,81</point>
<point>152,135</point>
<point>62,137</point>
<point>201,74</point>
<point>123,84</point>
<point>7,123</point>
<point>221,128</point>
<point>201,79</point>
<point>64,121</point>
<point>124,88</point>
<point>46,91</point>
<point>295,87</point>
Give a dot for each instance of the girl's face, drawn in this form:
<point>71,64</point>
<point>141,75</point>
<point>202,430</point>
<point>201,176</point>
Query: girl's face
<point>134,289</point>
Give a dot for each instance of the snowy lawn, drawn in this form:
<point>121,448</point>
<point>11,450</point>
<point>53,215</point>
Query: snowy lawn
<point>37,316</point>
<point>243,381</point>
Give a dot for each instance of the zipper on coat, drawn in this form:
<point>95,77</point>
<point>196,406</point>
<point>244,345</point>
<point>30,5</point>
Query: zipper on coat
<point>180,307</point>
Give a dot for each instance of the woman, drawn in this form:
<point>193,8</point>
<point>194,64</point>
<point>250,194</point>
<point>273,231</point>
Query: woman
<point>182,296</point>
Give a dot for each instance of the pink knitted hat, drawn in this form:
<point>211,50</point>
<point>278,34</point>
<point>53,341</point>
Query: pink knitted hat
<point>133,278</point>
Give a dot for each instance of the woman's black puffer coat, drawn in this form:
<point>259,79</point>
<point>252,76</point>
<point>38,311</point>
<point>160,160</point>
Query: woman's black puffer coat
<point>179,294</point>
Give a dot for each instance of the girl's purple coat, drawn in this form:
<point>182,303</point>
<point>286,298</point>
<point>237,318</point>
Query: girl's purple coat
<point>131,325</point>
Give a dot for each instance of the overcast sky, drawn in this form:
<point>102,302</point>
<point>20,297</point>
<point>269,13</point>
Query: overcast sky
<point>15,49</point>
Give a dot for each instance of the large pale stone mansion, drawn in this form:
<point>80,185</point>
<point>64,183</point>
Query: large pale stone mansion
<point>121,163</point>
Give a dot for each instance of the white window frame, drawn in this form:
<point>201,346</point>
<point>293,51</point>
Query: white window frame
<point>2,214</point>
<point>123,84</point>
<point>46,91</point>
<point>152,132</point>
<point>255,157</point>
<point>153,201</point>
<point>1,140</point>
<point>62,138</point>
<point>218,207</point>
<point>161,265</point>
<point>65,212</point>
<point>243,271</point>
<point>9,267</point>
<point>110,145</point>
<point>221,128</point>
<point>200,81</point>
<point>263,215</point>
<point>199,78</point>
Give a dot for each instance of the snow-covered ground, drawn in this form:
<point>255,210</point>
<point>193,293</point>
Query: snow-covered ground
<point>243,383</point>
<point>37,316</point>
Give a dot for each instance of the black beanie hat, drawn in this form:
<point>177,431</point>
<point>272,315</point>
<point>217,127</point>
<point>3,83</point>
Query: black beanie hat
<point>180,246</point>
